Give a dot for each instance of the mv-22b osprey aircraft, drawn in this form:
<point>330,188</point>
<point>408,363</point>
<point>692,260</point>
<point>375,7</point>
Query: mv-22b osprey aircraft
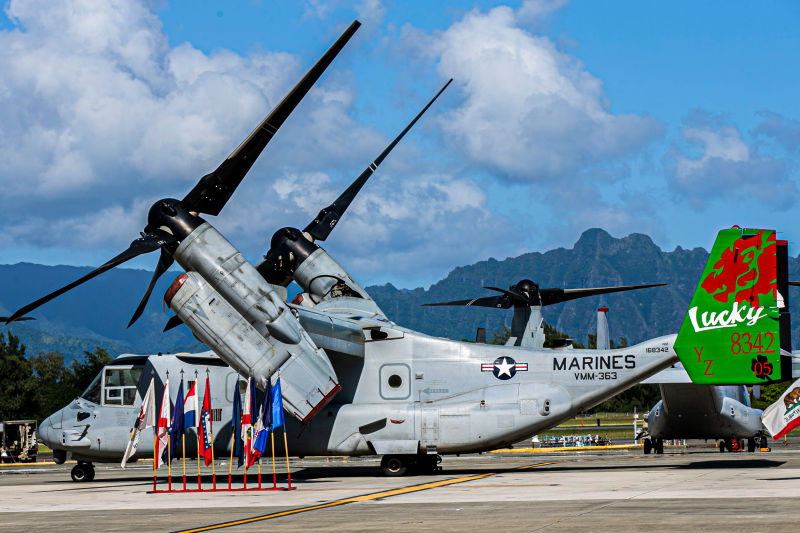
<point>358,384</point>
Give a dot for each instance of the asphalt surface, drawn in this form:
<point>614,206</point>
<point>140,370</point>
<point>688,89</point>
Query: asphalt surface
<point>683,490</point>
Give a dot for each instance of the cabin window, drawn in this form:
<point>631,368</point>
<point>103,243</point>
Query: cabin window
<point>119,385</point>
<point>395,381</point>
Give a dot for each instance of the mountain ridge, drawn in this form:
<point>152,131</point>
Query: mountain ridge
<point>95,314</point>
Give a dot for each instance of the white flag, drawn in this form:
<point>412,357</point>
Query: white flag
<point>163,425</point>
<point>784,415</point>
<point>145,419</point>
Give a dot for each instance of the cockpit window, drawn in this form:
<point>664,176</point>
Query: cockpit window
<point>119,384</point>
<point>92,392</point>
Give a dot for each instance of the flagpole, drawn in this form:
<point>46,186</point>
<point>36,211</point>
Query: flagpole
<point>259,472</point>
<point>183,439</point>
<point>211,434</point>
<point>197,438</point>
<point>196,432</point>
<point>286,449</point>
<point>274,477</point>
<point>169,437</point>
<point>169,466</point>
<point>155,428</point>
<point>230,464</point>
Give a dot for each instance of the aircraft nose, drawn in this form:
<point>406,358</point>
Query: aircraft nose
<point>47,433</point>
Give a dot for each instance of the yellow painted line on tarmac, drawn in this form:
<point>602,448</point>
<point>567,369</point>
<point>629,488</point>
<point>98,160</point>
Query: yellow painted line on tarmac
<point>363,498</point>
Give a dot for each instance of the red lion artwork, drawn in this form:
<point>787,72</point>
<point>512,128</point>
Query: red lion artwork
<point>746,270</point>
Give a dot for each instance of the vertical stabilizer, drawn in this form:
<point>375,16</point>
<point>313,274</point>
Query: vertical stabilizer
<point>603,338</point>
<point>731,334</point>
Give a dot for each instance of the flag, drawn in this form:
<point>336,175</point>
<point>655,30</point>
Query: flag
<point>247,420</point>
<point>277,405</point>
<point>236,424</point>
<point>784,415</point>
<point>176,429</point>
<point>190,415</point>
<point>146,418</point>
<point>163,426</point>
<point>262,429</point>
<point>204,428</point>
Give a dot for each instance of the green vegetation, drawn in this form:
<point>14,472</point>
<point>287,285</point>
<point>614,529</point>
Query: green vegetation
<point>36,386</point>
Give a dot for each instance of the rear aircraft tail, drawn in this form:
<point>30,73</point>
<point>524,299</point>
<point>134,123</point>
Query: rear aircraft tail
<point>737,330</point>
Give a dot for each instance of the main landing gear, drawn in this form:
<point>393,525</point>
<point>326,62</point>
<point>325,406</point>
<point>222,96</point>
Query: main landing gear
<point>654,445</point>
<point>400,465</point>
<point>82,471</point>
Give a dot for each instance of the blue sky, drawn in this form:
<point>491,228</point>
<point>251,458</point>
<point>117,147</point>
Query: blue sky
<point>673,120</point>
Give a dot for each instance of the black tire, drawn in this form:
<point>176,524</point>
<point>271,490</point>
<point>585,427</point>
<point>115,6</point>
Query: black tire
<point>751,444</point>
<point>722,446</point>
<point>394,465</point>
<point>659,446</point>
<point>729,445</point>
<point>59,456</point>
<point>648,446</point>
<point>763,443</point>
<point>82,472</point>
<point>428,464</point>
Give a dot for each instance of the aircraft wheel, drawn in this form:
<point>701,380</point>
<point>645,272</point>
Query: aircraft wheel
<point>428,464</point>
<point>648,446</point>
<point>729,445</point>
<point>394,465</point>
<point>82,472</point>
<point>721,446</point>
<point>751,444</point>
<point>659,446</point>
<point>59,456</point>
<point>763,443</point>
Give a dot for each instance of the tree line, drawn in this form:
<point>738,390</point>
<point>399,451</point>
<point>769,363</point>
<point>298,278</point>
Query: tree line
<point>36,386</point>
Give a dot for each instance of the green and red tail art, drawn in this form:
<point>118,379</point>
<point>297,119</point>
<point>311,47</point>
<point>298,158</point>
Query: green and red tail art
<point>730,334</point>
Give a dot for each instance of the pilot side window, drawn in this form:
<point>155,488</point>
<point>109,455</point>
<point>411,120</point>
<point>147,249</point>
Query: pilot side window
<point>92,392</point>
<point>119,385</point>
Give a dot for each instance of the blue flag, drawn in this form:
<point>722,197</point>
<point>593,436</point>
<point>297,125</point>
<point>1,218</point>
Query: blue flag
<point>236,424</point>
<point>277,405</point>
<point>176,429</point>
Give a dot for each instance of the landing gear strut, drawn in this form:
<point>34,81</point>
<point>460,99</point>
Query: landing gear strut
<point>82,472</point>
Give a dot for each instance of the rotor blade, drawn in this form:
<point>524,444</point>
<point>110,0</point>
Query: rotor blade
<point>214,190</point>
<point>554,296</point>
<point>329,216</point>
<point>20,319</point>
<point>165,261</point>
<point>794,283</point>
<point>173,322</point>
<point>148,243</point>
<point>500,302</point>
<point>510,293</point>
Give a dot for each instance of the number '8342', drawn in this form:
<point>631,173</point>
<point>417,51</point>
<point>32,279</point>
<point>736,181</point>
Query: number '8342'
<point>742,343</point>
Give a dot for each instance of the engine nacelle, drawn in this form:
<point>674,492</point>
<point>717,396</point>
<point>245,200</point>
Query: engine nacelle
<point>307,378</point>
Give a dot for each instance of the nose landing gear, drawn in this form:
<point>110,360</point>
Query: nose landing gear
<point>82,472</point>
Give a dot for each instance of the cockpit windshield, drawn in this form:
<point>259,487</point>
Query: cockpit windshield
<point>115,385</point>
<point>92,392</point>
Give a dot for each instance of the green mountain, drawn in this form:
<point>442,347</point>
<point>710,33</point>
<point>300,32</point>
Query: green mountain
<point>96,313</point>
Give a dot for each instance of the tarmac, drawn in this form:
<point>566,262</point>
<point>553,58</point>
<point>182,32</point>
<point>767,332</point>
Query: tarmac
<point>692,489</point>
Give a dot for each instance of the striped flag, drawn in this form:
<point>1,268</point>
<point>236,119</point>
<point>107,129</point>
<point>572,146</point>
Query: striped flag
<point>204,427</point>
<point>190,408</point>
<point>163,426</point>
